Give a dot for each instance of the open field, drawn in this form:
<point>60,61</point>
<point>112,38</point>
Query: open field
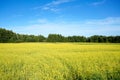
<point>59,61</point>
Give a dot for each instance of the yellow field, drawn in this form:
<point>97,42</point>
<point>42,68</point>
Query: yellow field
<point>59,61</point>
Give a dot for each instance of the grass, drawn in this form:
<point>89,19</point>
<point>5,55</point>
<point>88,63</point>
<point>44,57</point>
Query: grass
<point>59,61</point>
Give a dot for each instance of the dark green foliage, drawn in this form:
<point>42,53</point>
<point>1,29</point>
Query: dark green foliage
<point>55,38</point>
<point>97,38</point>
<point>76,39</point>
<point>9,36</point>
<point>41,38</point>
<point>5,35</point>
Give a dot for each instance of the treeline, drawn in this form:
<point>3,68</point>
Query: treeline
<point>7,36</point>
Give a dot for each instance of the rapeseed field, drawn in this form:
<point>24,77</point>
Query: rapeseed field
<point>59,61</point>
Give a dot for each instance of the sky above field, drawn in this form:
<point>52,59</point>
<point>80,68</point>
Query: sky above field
<point>66,17</point>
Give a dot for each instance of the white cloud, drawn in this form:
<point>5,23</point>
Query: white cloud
<point>106,21</point>
<point>58,2</point>
<point>39,21</point>
<point>53,9</point>
<point>98,2</point>
<point>107,26</point>
<point>42,20</point>
<point>53,6</point>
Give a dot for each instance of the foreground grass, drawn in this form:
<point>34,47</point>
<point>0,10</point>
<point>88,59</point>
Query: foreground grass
<point>59,61</point>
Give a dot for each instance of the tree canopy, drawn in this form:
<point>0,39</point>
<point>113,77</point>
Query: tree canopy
<point>10,36</point>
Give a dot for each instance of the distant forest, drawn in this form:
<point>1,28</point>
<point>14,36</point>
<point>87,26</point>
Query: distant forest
<point>8,36</point>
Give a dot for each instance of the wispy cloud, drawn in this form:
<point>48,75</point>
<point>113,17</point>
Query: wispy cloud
<point>53,6</point>
<point>58,2</point>
<point>106,21</point>
<point>39,21</point>
<point>107,26</point>
<point>98,3</point>
<point>42,20</point>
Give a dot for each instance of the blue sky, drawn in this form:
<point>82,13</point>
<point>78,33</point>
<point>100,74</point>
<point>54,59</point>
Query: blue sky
<point>66,17</point>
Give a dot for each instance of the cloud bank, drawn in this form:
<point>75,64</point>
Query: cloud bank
<point>106,26</point>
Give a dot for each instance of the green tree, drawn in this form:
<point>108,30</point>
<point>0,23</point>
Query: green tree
<point>55,38</point>
<point>41,38</point>
<point>5,35</point>
<point>76,39</point>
